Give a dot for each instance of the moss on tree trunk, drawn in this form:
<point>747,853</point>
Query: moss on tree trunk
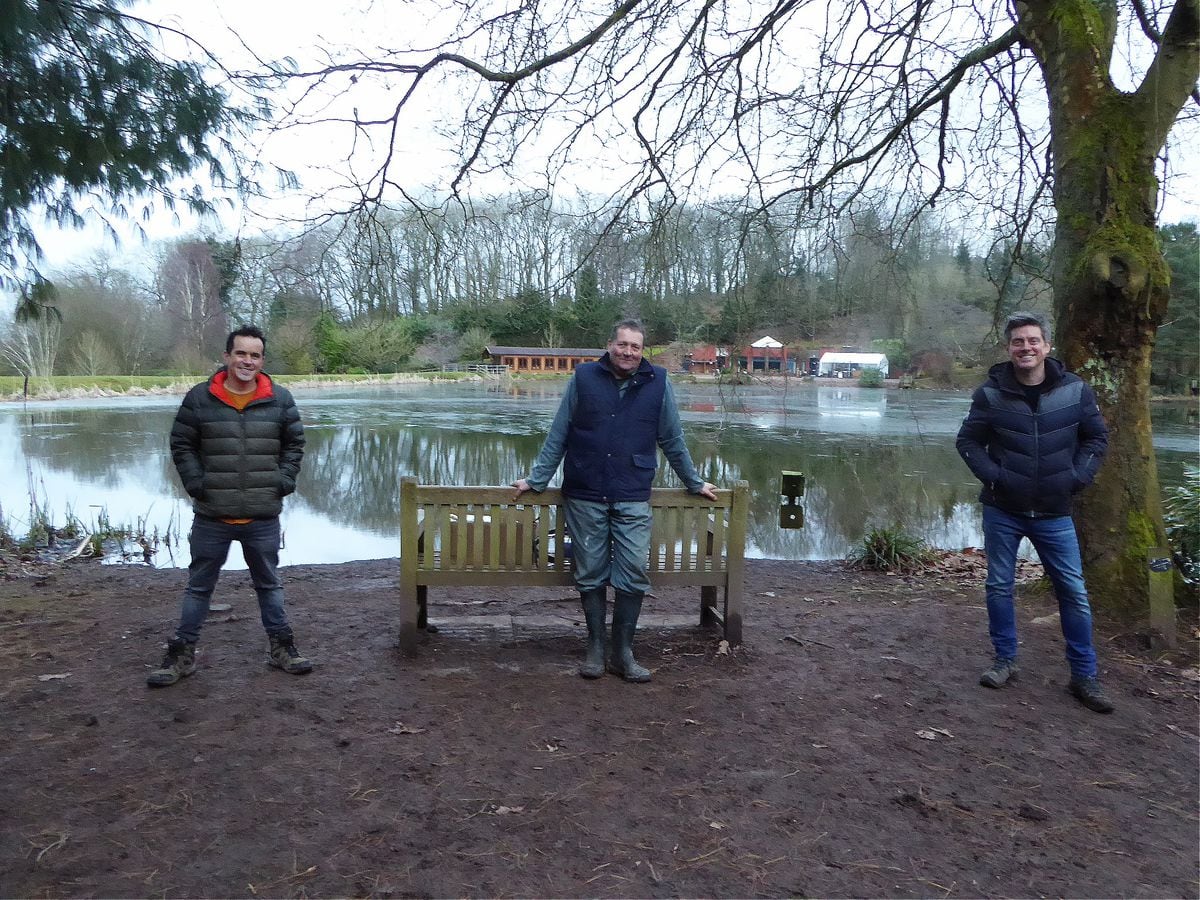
<point>1111,282</point>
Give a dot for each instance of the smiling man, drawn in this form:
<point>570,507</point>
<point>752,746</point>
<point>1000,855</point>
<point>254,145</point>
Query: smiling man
<point>612,419</point>
<point>237,443</point>
<point>1035,437</point>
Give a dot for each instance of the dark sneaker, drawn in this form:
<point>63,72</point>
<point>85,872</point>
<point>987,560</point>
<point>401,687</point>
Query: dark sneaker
<point>179,662</point>
<point>1090,694</point>
<point>284,655</point>
<point>1002,671</point>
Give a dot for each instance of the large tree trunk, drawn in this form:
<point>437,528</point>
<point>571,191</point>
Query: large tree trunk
<point>1111,283</point>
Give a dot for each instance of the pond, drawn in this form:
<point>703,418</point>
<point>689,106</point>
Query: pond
<point>870,457</point>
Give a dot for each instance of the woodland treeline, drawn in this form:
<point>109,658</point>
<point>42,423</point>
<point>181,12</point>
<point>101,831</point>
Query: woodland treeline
<point>390,290</point>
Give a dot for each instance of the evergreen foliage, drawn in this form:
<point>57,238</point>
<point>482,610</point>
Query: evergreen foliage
<point>870,378</point>
<point>92,109</point>
<point>1176,362</point>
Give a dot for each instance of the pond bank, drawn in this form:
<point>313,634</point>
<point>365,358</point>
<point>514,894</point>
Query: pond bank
<point>151,386</point>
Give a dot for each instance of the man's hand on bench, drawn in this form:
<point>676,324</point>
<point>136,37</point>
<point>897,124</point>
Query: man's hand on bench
<point>708,491</point>
<point>522,486</point>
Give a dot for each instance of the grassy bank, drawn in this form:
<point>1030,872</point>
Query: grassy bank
<point>60,387</point>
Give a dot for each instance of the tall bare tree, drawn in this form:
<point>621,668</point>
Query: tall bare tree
<point>190,287</point>
<point>1019,110</point>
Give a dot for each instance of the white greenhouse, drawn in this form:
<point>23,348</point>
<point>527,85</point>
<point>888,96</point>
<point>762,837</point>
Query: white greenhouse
<point>848,365</point>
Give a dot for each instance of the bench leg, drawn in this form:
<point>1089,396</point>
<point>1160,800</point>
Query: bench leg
<point>708,606</point>
<point>409,615</point>
<point>733,615</point>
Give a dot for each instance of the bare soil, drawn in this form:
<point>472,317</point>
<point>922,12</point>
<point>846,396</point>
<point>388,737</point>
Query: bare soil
<point>845,749</point>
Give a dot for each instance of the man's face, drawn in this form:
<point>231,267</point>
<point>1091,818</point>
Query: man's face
<point>625,352</point>
<point>244,362</point>
<point>1027,349</point>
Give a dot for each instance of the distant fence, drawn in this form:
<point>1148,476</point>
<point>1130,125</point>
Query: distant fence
<point>477,368</point>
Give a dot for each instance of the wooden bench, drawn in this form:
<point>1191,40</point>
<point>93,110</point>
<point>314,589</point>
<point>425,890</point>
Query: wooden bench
<point>477,536</point>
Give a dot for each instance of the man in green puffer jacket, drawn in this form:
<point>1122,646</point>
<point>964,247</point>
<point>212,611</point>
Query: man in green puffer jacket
<point>237,443</point>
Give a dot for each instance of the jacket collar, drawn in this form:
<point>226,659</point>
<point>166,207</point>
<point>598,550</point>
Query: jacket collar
<point>1004,377</point>
<point>644,372</point>
<point>263,389</point>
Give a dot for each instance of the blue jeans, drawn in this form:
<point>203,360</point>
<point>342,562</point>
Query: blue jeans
<point>610,544</point>
<point>1057,546</point>
<point>210,540</point>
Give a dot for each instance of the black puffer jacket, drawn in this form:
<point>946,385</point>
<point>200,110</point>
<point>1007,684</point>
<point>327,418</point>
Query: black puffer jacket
<point>1033,463</point>
<point>238,464</point>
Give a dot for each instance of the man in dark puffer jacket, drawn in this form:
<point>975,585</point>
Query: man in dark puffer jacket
<point>237,444</point>
<point>1035,437</point>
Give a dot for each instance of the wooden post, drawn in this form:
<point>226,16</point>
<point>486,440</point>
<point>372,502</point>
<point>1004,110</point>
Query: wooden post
<point>409,604</point>
<point>708,593</point>
<point>791,491</point>
<point>736,567</point>
<point>1160,571</point>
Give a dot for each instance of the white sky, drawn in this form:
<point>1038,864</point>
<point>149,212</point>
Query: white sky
<point>306,30</point>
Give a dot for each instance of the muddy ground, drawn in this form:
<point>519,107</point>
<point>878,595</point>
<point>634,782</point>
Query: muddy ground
<point>844,749</point>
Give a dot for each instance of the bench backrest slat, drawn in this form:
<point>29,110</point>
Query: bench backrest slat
<point>481,529</point>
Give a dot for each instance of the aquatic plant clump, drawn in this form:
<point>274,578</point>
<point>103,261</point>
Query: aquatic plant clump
<point>892,550</point>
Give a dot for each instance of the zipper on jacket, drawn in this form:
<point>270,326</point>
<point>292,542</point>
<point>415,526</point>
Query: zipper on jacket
<point>1037,450</point>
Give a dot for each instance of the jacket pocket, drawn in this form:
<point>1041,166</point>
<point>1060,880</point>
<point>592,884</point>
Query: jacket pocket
<point>645,460</point>
<point>286,485</point>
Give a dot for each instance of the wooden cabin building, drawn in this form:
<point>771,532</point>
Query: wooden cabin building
<point>541,359</point>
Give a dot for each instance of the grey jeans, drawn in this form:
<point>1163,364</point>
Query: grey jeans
<point>610,544</point>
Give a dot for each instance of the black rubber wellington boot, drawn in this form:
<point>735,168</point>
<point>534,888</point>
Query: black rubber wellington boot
<point>594,603</point>
<point>627,607</point>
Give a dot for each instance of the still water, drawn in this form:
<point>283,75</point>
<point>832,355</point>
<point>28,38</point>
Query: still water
<point>871,457</point>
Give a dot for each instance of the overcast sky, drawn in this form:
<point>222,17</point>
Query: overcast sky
<point>309,31</point>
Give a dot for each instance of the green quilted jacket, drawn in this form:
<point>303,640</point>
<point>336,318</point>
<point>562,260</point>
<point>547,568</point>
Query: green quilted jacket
<point>238,464</point>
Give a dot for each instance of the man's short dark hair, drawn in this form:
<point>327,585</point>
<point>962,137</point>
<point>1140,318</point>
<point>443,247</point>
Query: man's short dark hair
<point>628,325</point>
<point>1021,319</point>
<point>250,331</point>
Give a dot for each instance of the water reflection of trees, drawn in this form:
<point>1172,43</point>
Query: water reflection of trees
<point>850,486</point>
<point>357,454</point>
<point>352,475</point>
<point>106,447</point>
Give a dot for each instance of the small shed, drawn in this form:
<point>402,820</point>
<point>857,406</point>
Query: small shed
<point>849,365</point>
<point>705,358</point>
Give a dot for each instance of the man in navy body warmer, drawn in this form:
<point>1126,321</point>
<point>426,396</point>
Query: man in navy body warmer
<point>237,443</point>
<point>1035,437</point>
<point>614,416</point>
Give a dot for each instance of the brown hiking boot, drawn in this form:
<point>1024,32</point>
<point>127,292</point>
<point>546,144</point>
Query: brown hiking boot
<point>284,655</point>
<point>179,662</point>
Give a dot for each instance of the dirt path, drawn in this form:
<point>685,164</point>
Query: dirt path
<point>844,749</point>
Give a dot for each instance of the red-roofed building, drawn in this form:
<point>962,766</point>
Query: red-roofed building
<point>768,356</point>
<point>705,358</point>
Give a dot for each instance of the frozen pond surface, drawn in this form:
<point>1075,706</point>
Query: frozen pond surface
<point>871,457</point>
